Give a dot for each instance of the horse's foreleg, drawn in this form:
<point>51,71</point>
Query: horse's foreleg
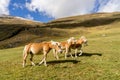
<point>70,53</point>
<point>65,55</point>
<point>31,59</point>
<point>66,52</point>
<point>55,54</point>
<point>76,53</point>
<point>80,52</point>
<point>45,56</point>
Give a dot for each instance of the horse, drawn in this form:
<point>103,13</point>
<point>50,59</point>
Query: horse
<point>66,47</point>
<point>78,45</point>
<point>38,48</point>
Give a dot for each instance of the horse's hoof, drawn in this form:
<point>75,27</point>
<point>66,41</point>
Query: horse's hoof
<point>46,65</point>
<point>75,56</point>
<point>57,58</point>
<point>33,64</point>
<point>39,64</point>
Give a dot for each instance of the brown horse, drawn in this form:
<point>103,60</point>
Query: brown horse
<point>66,47</point>
<point>78,45</point>
<point>38,48</point>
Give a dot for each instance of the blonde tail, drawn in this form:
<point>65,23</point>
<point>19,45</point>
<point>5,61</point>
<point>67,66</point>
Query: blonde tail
<point>25,53</point>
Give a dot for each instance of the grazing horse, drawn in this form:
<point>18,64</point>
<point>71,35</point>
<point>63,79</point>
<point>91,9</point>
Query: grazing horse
<point>38,48</point>
<point>66,47</point>
<point>78,45</point>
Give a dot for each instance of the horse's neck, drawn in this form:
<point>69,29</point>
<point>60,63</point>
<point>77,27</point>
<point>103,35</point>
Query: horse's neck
<point>68,43</point>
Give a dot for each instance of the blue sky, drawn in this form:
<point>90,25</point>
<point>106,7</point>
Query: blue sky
<point>47,10</point>
<point>18,8</point>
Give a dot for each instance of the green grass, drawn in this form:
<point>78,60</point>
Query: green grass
<point>100,61</point>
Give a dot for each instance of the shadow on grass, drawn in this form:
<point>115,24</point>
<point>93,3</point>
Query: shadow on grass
<point>71,61</point>
<point>63,61</point>
<point>57,62</point>
<point>88,54</point>
<point>91,54</point>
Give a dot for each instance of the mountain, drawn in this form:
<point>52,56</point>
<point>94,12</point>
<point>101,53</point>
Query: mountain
<point>17,31</point>
<point>89,20</point>
<point>7,19</point>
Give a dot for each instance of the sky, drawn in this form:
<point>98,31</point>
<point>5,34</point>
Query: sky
<point>47,10</point>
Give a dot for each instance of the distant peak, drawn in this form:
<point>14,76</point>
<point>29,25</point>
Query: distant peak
<point>4,15</point>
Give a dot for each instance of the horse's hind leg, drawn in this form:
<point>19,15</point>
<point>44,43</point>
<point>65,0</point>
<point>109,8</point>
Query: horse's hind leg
<point>44,59</point>
<point>31,59</point>
<point>55,54</point>
<point>24,59</point>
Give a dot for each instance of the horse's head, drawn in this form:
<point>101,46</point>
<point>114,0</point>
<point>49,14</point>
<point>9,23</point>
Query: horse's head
<point>71,40</point>
<point>84,40</point>
<point>57,46</point>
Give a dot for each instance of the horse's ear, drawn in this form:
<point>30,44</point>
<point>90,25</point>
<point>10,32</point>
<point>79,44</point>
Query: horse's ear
<point>72,38</point>
<point>51,41</point>
<point>69,40</point>
<point>82,37</point>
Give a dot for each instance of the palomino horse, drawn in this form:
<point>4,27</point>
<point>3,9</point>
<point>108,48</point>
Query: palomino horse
<point>38,48</point>
<point>66,47</point>
<point>78,45</point>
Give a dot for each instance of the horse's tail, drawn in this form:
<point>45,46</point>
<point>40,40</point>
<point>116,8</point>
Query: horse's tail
<point>25,53</point>
<point>26,49</point>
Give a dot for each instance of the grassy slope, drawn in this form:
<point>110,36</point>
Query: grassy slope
<point>16,32</point>
<point>100,61</point>
<point>11,29</point>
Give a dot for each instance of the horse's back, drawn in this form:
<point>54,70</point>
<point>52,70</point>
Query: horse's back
<point>36,48</point>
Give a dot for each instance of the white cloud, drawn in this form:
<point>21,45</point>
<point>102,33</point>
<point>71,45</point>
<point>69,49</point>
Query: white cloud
<point>111,6</point>
<point>61,8</point>
<point>29,17</point>
<point>4,7</point>
<point>18,5</point>
<point>64,8</point>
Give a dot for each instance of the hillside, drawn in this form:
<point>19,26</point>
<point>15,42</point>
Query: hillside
<point>13,26</point>
<point>16,31</point>
<point>10,26</point>
<point>89,20</point>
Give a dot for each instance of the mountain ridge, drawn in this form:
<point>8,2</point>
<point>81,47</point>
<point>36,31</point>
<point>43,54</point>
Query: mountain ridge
<point>15,31</point>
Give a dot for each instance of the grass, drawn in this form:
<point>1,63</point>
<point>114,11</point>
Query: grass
<point>100,61</point>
